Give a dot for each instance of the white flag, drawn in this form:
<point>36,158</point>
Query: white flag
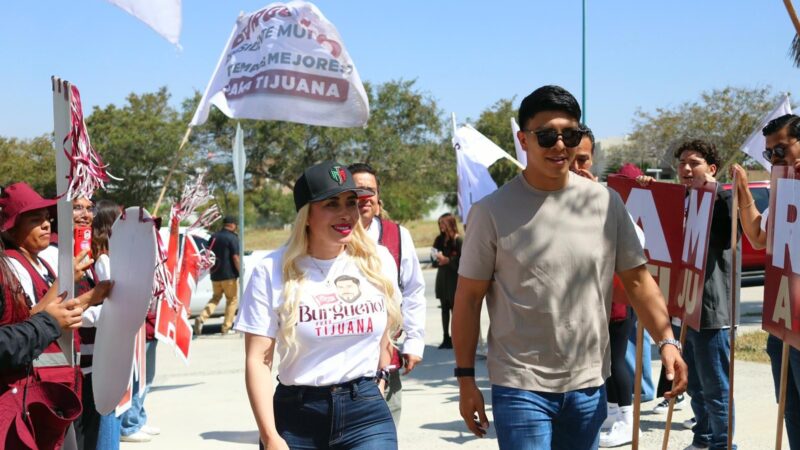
<point>755,144</point>
<point>474,154</point>
<point>522,157</point>
<point>163,16</point>
<point>286,62</point>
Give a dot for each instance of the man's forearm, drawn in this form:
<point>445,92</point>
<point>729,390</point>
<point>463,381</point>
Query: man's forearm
<point>465,329</point>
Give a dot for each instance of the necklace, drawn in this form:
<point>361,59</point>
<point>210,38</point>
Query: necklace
<point>320,270</point>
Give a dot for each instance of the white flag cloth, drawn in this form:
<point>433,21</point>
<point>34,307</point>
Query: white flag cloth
<point>474,154</point>
<point>522,157</point>
<point>163,16</point>
<point>286,62</point>
<point>755,144</point>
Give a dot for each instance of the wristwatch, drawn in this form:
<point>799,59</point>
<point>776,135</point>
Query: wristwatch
<point>674,342</point>
<point>464,372</point>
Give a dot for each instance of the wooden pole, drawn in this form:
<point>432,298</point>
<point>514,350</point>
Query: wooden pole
<point>734,290</point>
<point>671,408</point>
<point>792,15</point>
<point>782,395</point>
<point>637,385</point>
<point>171,170</point>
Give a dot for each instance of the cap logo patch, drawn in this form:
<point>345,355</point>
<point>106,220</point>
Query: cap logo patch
<point>338,175</point>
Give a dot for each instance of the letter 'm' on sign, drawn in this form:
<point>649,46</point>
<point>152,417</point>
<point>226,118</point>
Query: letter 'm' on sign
<point>697,227</point>
<point>642,206</point>
<point>787,234</point>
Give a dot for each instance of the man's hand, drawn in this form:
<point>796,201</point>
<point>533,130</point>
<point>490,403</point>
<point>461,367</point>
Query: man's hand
<point>644,180</point>
<point>66,312</point>
<point>276,443</point>
<point>699,182</point>
<point>676,370</point>
<point>410,361</point>
<point>471,406</point>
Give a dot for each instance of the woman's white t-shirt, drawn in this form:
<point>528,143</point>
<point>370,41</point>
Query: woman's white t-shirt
<point>341,318</point>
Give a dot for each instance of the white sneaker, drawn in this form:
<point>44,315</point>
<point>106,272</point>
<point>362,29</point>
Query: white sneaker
<point>139,436</point>
<point>621,433</point>
<point>608,423</point>
<point>152,431</point>
<point>689,423</point>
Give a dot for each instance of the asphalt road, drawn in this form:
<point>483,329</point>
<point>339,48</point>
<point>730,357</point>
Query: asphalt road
<point>205,406</point>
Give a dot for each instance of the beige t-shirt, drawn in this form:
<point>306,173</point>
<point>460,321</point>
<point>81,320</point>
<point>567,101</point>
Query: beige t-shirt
<point>551,257</point>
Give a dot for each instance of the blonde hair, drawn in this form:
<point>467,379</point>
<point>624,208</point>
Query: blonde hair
<point>364,253</point>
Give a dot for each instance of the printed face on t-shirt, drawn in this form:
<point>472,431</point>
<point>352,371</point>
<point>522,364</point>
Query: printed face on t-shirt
<point>348,288</point>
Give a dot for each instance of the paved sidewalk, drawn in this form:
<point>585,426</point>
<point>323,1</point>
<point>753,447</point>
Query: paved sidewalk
<point>205,406</point>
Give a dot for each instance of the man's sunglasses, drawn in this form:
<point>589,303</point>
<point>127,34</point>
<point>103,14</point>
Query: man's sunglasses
<point>548,138</point>
<point>779,151</point>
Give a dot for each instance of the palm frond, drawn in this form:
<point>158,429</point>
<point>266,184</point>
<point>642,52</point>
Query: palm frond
<point>794,51</point>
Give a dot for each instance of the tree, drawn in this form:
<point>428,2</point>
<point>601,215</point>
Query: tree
<point>495,123</point>
<point>402,141</point>
<point>723,116</point>
<point>140,142</point>
<point>31,161</point>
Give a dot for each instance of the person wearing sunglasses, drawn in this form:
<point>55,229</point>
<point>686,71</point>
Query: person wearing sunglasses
<point>782,148</point>
<point>543,250</point>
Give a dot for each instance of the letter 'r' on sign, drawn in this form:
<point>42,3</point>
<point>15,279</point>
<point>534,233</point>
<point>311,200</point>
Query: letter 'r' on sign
<point>787,225</point>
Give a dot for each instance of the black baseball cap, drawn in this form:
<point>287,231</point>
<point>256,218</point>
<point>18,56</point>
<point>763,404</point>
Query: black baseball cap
<point>325,180</point>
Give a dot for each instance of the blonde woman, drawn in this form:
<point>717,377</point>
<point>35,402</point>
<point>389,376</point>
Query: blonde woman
<point>328,301</point>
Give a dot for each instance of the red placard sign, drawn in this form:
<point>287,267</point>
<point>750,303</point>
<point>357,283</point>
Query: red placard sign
<point>696,233</point>
<point>659,210</point>
<point>781,312</point>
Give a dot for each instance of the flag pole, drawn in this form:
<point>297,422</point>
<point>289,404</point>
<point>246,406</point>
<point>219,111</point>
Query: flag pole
<point>792,15</point>
<point>583,64</point>
<point>782,395</point>
<point>172,169</point>
<point>671,408</point>
<point>734,257</point>
<point>637,385</point>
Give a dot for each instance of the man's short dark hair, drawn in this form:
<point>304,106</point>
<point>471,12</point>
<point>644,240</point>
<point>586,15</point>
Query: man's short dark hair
<point>347,278</point>
<point>790,120</point>
<point>548,98</point>
<point>365,168</point>
<point>706,149</point>
<point>587,132</point>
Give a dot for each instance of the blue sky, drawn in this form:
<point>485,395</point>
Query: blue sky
<point>465,54</point>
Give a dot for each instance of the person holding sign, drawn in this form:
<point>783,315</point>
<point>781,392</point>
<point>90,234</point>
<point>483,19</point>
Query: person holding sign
<point>546,271</point>
<point>333,340</point>
<point>707,350</point>
<point>782,136</point>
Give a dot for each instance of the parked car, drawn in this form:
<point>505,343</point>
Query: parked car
<point>753,260</point>
<point>203,291</point>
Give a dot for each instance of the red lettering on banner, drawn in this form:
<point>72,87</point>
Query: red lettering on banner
<point>264,15</point>
<point>781,311</point>
<point>288,82</point>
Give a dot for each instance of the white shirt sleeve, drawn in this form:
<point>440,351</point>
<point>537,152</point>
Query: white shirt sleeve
<point>24,278</point>
<point>764,217</point>
<point>102,267</point>
<point>413,290</point>
<point>258,308</point>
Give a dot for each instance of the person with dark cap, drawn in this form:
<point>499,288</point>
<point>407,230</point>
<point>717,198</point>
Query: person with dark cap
<point>224,276</point>
<point>334,350</point>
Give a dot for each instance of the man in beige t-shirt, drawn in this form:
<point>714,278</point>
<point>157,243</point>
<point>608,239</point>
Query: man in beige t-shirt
<point>543,250</point>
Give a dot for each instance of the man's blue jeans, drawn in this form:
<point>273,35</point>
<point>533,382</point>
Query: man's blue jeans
<point>136,417</point>
<point>707,353</point>
<point>352,415</point>
<point>791,416</point>
<point>530,420</point>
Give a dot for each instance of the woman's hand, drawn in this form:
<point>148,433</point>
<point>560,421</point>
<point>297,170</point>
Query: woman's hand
<point>276,443</point>
<point>644,180</point>
<point>81,263</point>
<point>66,312</point>
<point>441,259</point>
<point>97,294</point>
<point>382,386</point>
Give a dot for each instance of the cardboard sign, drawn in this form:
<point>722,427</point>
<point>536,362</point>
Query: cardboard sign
<point>781,312</point>
<point>173,328</point>
<point>659,210</point>
<point>700,212</point>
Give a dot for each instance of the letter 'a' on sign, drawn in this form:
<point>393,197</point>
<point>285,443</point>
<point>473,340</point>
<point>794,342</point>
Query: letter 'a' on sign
<point>287,62</point>
<point>781,311</point>
<point>658,210</point>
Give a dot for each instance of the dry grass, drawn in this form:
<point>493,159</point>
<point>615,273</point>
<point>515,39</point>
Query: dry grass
<point>752,347</point>
<point>422,232</point>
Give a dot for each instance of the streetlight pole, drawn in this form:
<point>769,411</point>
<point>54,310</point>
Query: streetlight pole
<point>583,66</point>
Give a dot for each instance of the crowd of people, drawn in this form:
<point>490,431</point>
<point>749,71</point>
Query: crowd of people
<point>342,303</point>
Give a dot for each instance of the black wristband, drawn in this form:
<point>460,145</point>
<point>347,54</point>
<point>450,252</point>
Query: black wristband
<point>464,372</point>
